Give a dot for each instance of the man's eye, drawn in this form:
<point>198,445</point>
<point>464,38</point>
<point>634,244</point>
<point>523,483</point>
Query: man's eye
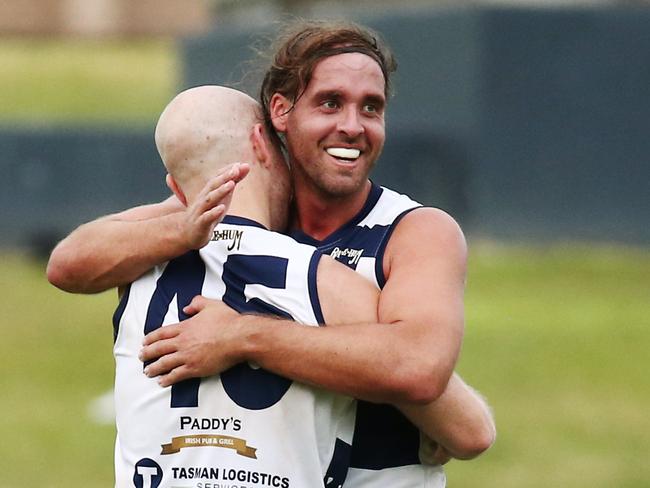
<point>330,104</point>
<point>370,108</point>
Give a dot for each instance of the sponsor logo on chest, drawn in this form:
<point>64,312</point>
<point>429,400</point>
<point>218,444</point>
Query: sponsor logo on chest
<point>352,255</point>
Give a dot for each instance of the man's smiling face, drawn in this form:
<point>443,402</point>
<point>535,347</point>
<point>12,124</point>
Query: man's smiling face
<point>335,130</point>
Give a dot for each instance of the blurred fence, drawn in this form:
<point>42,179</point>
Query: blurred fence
<point>526,124</point>
<point>57,179</point>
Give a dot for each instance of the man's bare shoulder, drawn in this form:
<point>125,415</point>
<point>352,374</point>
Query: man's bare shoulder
<point>430,219</point>
<point>427,230</point>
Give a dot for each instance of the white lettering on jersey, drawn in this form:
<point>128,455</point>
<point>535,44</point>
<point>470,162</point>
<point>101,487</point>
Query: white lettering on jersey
<point>353,255</point>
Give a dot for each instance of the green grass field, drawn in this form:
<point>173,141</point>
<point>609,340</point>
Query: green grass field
<point>74,81</point>
<point>555,339</point>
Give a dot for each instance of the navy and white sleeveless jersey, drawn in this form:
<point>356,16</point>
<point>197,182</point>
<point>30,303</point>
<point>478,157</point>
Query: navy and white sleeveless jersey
<point>245,427</point>
<point>385,448</point>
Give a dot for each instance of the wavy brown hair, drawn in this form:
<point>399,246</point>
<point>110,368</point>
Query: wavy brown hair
<point>301,45</point>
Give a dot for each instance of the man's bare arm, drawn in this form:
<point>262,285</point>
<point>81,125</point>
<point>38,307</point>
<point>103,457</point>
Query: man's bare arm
<point>407,357</point>
<point>117,249</point>
<point>459,420</point>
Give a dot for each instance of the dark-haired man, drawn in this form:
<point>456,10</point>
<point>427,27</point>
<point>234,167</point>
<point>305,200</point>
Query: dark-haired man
<point>325,95</point>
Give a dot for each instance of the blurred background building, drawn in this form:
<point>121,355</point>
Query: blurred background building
<point>94,18</point>
<point>524,119</point>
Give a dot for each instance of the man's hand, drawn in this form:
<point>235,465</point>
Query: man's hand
<point>210,205</point>
<point>202,345</point>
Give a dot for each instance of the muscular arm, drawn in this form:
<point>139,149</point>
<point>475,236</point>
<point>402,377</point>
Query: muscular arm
<point>116,249</point>
<point>410,354</point>
<point>459,420</point>
<point>407,357</point>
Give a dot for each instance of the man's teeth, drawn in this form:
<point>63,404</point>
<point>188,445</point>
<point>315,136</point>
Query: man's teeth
<point>343,152</point>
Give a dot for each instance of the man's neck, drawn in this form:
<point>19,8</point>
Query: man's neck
<point>258,213</point>
<point>252,199</point>
<point>318,216</point>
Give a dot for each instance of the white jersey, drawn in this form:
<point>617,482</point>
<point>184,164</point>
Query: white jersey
<point>246,427</point>
<point>386,446</point>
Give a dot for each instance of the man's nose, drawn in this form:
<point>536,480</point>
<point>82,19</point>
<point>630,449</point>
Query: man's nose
<point>350,122</point>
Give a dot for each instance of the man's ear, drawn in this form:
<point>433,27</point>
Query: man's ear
<point>260,144</point>
<point>173,186</point>
<point>279,108</point>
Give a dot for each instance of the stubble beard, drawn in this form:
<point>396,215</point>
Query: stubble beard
<point>328,186</point>
<point>319,178</point>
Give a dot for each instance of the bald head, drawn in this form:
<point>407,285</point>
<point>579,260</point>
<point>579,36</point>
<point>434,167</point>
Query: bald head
<point>204,129</point>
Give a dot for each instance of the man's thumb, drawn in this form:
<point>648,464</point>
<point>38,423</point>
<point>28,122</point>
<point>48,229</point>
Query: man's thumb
<point>197,304</point>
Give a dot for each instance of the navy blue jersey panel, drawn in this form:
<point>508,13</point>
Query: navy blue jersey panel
<point>119,311</point>
<point>337,471</point>
<point>183,278</point>
<point>250,387</point>
<point>383,438</point>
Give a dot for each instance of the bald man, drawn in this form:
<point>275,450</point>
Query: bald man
<point>245,426</point>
